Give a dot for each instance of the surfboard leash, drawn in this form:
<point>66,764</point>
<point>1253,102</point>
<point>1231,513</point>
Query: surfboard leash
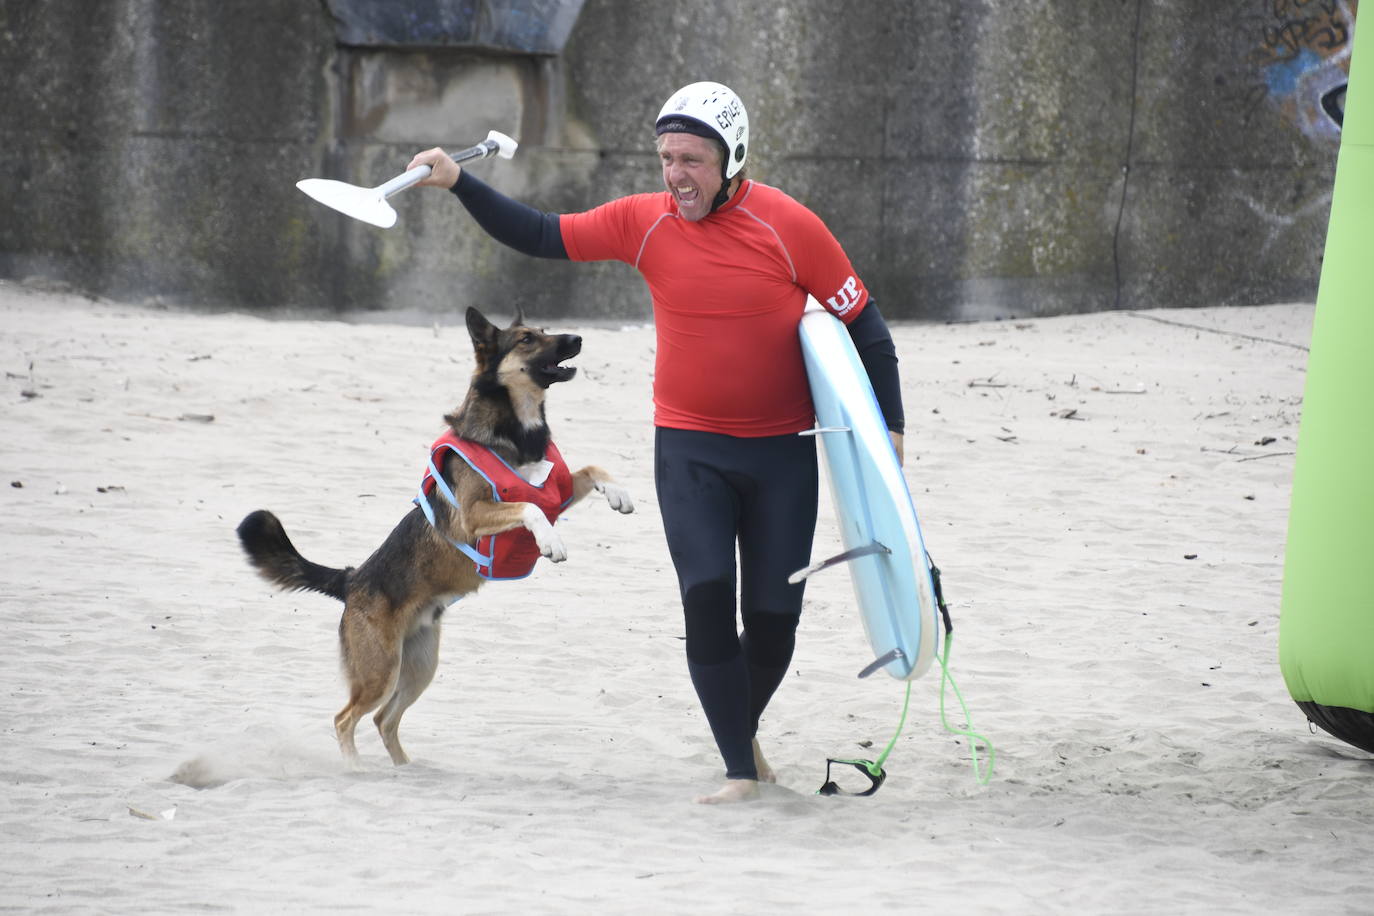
<point>967,732</point>
<point>974,738</point>
<point>873,769</point>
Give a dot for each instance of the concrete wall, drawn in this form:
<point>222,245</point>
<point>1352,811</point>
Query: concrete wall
<point>976,158</point>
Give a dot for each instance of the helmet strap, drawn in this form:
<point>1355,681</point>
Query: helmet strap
<point>722,195</point>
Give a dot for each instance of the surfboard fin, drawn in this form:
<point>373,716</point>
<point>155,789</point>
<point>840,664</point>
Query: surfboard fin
<point>882,661</point>
<point>866,550</point>
<point>824,429</point>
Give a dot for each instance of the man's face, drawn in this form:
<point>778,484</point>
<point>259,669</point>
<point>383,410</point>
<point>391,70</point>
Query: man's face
<point>691,172</point>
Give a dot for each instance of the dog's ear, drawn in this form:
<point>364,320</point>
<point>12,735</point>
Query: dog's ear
<point>519,319</point>
<point>483,334</point>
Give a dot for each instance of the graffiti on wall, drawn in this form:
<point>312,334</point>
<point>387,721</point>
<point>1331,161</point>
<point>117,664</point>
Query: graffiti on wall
<point>1302,54</point>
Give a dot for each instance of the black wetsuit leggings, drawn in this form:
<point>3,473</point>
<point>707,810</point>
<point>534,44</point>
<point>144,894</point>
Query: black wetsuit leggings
<point>716,491</point>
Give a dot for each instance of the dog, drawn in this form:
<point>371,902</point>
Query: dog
<point>389,631</point>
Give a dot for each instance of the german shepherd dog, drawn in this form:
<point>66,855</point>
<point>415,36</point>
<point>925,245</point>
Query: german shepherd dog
<point>389,632</point>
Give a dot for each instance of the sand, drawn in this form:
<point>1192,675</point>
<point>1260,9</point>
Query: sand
<point>1106,494</point>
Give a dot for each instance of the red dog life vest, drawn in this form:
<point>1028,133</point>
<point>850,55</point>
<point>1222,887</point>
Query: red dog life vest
<point>510,554</point>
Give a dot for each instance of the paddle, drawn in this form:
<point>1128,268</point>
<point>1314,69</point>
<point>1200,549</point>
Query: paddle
<point>369,204</point>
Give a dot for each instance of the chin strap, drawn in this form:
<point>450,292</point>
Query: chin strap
<point>722,195</point>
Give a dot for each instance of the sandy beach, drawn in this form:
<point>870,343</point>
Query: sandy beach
<point>1106,495</point>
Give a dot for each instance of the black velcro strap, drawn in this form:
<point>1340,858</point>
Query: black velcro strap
<point>866,767</point>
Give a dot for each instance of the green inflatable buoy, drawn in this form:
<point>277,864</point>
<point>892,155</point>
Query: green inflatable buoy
<point>1326,624</point>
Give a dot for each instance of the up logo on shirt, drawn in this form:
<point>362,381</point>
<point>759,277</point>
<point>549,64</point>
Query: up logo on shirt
<point>846,297</point>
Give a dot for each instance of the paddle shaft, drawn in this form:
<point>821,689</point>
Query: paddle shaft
<point>418,174</point>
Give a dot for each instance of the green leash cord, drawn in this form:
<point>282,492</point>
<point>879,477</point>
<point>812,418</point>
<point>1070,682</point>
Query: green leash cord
<point>873,769</point>
<point>985,775</point>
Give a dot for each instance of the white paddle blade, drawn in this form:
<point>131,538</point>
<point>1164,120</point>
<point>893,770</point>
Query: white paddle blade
<point>366,204</point>
<point>505,146</point>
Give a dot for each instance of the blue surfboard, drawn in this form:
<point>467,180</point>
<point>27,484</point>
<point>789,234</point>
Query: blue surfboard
<point>884,551</point>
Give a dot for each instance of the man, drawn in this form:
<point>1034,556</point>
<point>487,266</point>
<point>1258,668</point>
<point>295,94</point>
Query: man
<point>729,263</point>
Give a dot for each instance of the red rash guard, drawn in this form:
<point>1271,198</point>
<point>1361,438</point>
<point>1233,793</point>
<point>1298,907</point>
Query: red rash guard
<point>728,292</point>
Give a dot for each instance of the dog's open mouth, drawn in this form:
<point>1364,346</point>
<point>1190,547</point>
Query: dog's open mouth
<point>549,373</point>
<point>551,370</point>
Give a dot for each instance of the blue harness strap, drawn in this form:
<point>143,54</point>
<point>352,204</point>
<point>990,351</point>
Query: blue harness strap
<point>422,500</point>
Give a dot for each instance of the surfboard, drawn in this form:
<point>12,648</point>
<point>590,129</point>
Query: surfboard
<point>884,550</point>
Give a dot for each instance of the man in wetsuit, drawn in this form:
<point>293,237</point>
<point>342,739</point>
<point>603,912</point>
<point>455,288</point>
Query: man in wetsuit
<point>729,263</point>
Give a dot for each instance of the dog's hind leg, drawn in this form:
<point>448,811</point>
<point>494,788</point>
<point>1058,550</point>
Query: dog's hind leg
<point>346,722</point>
<point>419,659</point>
<point>372,663</point>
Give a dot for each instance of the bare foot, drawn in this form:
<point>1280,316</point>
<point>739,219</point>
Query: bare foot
<point>766,773</point>
<point>734,790</point>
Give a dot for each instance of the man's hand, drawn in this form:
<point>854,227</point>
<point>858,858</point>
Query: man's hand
<point>445,171</point>
<point>897,446</point>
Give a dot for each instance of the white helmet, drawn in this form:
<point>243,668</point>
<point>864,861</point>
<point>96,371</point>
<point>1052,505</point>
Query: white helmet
<point>713,111</point>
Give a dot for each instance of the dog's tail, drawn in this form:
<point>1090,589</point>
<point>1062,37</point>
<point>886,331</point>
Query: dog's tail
<point>277,560</point>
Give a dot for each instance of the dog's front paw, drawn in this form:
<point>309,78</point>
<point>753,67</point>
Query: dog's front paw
<point>549,543</point>
<point>552,547</point>
<point>616,495</point>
